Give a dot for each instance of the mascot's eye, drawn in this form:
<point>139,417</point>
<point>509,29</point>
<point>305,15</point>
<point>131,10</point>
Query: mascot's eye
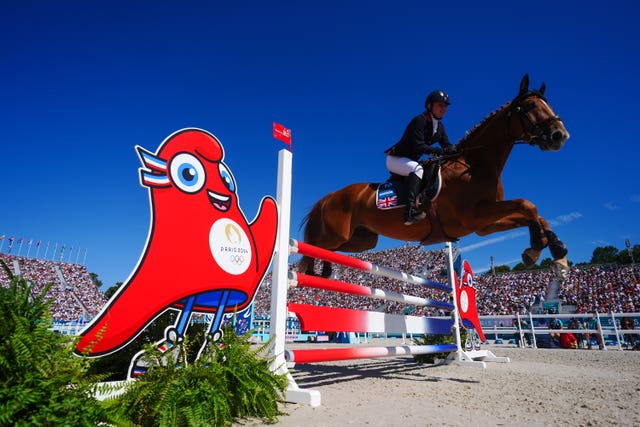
<point>227,178</point>
<point>187,173</point>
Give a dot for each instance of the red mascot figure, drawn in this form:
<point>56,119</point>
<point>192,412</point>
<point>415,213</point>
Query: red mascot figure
<point>201,255</point>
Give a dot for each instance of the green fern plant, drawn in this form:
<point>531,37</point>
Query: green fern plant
<point>41,381</point>
<point>229,381</point>
<point>431,339</point>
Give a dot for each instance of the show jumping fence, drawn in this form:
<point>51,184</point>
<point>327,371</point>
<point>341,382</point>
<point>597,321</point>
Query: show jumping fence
<point>323,318</point>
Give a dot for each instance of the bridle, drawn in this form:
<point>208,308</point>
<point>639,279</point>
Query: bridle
<point>531,131</point>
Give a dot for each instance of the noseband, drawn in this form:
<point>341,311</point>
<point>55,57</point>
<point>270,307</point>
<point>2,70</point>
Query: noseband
<point>531,131</point>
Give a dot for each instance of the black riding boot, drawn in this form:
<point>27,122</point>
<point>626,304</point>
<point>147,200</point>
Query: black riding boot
<point>411,213</point>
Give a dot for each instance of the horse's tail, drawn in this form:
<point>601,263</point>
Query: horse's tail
<point>312,223</point>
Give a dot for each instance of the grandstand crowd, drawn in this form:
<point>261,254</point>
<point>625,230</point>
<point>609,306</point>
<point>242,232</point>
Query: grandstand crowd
<point>602,288</point>
<point>591,288</point>
<point>73,294</point>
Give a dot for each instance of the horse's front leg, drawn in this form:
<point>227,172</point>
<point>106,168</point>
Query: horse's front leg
<point>541,237</point>
<point>492,217</point>
<point>537,238</point>
<point>557,248</point>
<point>506,215</point>
<point>509,214</point>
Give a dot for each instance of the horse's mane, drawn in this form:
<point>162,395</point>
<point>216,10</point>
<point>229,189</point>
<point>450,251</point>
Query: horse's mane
<point>470,136</point>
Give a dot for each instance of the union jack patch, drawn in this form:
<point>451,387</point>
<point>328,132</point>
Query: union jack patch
<point>386,196</point>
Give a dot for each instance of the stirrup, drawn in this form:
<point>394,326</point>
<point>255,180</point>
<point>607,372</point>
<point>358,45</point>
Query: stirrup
<point>411,220</point>
<point>414,216</point>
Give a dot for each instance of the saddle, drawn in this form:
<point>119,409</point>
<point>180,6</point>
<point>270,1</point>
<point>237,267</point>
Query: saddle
<point>392,193</point>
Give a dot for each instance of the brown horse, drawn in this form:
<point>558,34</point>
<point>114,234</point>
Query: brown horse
<point>471,199</point>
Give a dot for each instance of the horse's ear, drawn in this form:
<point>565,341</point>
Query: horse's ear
<point>543,88</point>
<point>524,84</point>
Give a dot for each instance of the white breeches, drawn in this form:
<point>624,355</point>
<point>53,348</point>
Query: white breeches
<point>403,166</point>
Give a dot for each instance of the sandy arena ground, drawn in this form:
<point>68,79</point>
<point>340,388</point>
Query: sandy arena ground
<point>539,387</point>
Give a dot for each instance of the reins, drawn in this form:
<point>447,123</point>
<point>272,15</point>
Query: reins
<point>531,131</point>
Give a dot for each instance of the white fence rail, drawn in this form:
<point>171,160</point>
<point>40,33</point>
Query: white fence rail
<point>606,326</point>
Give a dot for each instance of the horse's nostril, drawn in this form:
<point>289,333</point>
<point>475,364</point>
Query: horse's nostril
<point>557,135</point>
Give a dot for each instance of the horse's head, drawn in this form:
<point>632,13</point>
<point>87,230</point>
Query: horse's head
<point>535,122</point>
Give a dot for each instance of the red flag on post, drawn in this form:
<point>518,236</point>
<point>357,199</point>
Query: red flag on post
<point>282,133</point>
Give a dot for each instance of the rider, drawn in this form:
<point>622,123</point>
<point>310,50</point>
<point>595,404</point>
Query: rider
<point>422,132</point>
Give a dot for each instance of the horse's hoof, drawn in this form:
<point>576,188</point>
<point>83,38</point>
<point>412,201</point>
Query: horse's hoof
<point>560,268</point>
<point>530,256</point>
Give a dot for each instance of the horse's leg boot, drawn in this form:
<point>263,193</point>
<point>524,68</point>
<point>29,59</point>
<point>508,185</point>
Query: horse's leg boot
<point>411,214</point>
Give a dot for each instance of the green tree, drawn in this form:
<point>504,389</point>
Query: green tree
<point>112,290</point>
<point>624,257</point>
<point>519,267</point>
<point>95,280</point>
<point>604,255</point>
<point>41,381</point>
<point>502,269</point>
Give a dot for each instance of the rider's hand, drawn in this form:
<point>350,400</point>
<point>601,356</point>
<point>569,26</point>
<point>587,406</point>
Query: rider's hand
<point>435,151</point>
<point>452,149</point>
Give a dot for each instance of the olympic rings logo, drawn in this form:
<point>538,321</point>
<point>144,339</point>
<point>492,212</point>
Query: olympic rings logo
<point>236,259</point>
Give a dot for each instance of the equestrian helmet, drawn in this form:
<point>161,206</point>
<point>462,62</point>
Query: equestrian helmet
<point>437,96</point>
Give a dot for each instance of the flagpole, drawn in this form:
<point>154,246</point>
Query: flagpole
<point>30,242</point>
<point>20,248</point>
<point>38,248</point>
<point>84,261</point>
<point>46,251</point>
<point>2,244</point>
<point>77,255</point>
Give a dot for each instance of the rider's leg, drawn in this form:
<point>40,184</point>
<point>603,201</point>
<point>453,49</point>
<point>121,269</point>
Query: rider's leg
<point>430,171</point>
<point>412,214</point>
<point>414,172</point>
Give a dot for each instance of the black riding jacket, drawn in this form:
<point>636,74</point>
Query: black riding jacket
<point>418,138</point>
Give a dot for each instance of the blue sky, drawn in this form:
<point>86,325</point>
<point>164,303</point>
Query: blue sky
<point>82,83</point>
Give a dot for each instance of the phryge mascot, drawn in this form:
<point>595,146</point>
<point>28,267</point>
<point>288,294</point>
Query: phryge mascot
<point>201,255</point>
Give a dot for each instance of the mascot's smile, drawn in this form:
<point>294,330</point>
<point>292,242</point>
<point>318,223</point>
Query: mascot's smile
<point>219,201</point>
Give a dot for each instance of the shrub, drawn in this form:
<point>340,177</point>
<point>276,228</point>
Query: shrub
<point>229,381</point>
<point>41,381</point>
<point>431,339</point>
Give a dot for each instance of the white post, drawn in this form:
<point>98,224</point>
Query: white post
<point>279,285</point>
<point>473,357</point>
<point>615,328</point>
<point>522,345</point>
<point>533,332</point>
<point>600,332</point>
<point>456,315</point>
<point>281,262</point>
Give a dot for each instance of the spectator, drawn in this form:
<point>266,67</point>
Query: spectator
<point>592,324</point>
<point>576,324</point>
